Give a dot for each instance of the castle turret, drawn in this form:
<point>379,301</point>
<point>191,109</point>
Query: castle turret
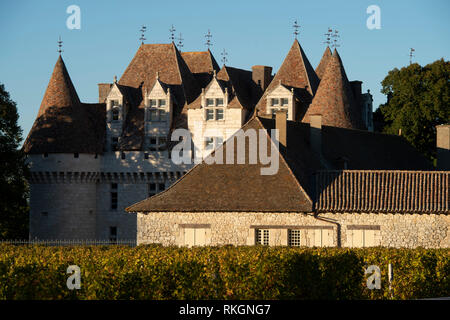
<point>334,99</point>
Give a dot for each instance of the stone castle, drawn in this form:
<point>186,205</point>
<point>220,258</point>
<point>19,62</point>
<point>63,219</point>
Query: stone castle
<point>91,161</point>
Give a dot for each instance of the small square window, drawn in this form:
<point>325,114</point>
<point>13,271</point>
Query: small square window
<point>219,102</point>
<point>76,155</point>
<point>114,186</point>
<point>114,103</point>
<point>152,103</point>
<point>153,115</point>
<point>294,238</point>
<point>275,102</point>
<point>115,114</point>
<point>161,186</point>
<point>284,101</point>
<point>162,103</point>
<point>209,102</point>
<point>153,140</point>
<point>219,114</point>
<point>262,236</point>
<point>209,114</point>
<point>209,143</point>
<point>162,141</point>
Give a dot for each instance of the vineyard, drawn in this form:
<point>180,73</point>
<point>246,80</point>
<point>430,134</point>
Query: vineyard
<point>155,272</point>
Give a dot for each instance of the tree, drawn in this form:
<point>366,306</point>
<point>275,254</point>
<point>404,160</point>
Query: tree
<point>417,101</point>
<point>14,208</point>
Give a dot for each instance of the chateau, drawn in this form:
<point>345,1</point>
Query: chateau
<point>104,170</point>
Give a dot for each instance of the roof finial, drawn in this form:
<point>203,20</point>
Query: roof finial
<point>214,73</point>
<point>411,55</point>
<point>224,56</point>
<point>208,37</point>
<point>157,75</point>
<point>328,36</point>
<point>180,42</point>
<point>142,38</point>
<point>115,79</point>
<point>60,45</point>
<point>296,26</point>
<point>172,33</point>
<point>335,37</point>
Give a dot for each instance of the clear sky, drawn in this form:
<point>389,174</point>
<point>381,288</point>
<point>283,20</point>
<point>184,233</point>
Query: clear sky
<point>252,32</point>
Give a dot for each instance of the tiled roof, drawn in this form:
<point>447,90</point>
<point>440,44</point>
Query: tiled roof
<point>242,89</point>
<point>243,188</point>
<point>383,191</point>
<point>320,70</point>
<point>201,64</point>
<point>232,187</point>
<point>60,90</point>
<point>200,61</point>
<point>296,71</point>
<point>334,99</point>
<point>64,124</point>
<point>141,75</point>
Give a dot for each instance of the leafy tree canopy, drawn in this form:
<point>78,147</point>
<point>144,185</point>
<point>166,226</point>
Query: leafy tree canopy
<point>417,101</point>
<point>13,171</point>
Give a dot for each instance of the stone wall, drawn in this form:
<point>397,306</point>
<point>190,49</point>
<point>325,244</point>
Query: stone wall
<point>238,228</point>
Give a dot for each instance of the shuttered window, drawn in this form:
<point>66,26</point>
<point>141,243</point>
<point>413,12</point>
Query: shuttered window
<point>195,236</point>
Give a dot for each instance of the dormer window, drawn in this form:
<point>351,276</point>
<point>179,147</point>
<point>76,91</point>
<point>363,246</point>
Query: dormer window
<point>115,114</point>
<point>277,104</point>
<point>214,109</point>
<point>157,111</point>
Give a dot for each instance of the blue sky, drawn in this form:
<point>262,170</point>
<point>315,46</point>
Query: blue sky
<point>252,32</point>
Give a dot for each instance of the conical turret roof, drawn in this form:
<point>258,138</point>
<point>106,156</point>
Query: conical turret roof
<point>334,98</point>
<point>60,90</point>
<point>320,70</point>
<point>296,72</point>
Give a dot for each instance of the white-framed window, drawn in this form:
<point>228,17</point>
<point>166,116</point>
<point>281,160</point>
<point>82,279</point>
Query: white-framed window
<point>195,236</point>
<point>157,143</point>
<point>361,238</point>
<point>214,109</point>
<point>273,111</point>
<point>213,142</point>
<point>157,110</point>
<point>274,102</point>
<point>294,237</point>
<point>262,236</point>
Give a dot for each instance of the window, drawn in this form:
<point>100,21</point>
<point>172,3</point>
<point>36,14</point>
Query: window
<point>274,102</point>
<point>114,196</point>
<point>219,114</point>
<point>114,103</point>
<point>294,238</point>
<point>262,237</point>
<point>45,155</point>
<point>157,111</point>
<point>195,236</point>
<point>273,111</point>
<point>114,143</point>
<point>214,109</point>
<point>146,155</point>
<point>113,234</point>
<point>284,101</point>
<point>157,143</point>
<point>123,156</point>
<point>115,114</point>
<point>154,188</point>
<point>322,238</point>
<point>213,142</point>
<point>76,155</point>
<point>361,238</point>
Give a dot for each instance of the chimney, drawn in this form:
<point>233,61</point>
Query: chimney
<point>315,125</point>
<point>443,146</point>
<point>281,125</point>
<point>356,88</point>
<point>262,75</point>
<point>103,90</point>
